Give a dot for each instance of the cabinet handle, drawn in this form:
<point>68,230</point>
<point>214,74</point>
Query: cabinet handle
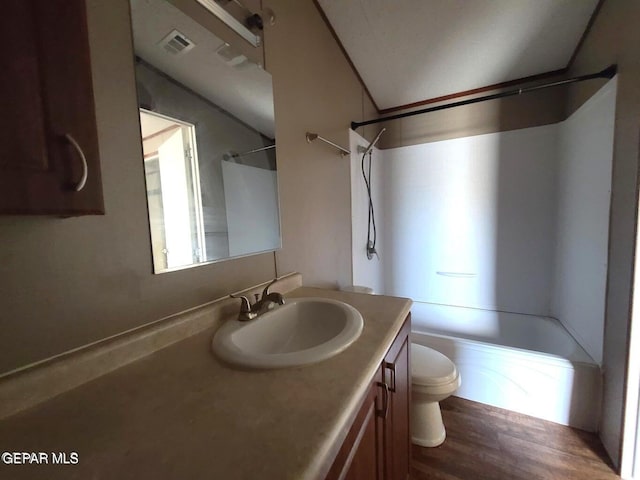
<point>85,168</point>
<point>385,400</point>
<point>391,367</point>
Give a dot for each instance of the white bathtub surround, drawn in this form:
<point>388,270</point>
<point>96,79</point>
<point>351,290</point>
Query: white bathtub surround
<point>582,231</point>
<point>469,220</point>
<point>512,361</point>
<point>512,330</point>
<point>512,221</point>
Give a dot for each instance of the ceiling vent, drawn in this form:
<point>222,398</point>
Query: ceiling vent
<point>176,43</point>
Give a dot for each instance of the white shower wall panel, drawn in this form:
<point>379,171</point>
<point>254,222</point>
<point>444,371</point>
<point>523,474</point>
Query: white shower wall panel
<point>471,221</point>
<point>584,179</point>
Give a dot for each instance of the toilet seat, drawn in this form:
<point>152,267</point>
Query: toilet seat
<point>430,368</point>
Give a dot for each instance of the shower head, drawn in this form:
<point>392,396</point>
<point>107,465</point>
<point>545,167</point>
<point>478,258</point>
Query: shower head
<point>375,140</point>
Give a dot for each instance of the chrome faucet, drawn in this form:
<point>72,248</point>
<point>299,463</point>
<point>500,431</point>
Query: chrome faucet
<point>263,303</point>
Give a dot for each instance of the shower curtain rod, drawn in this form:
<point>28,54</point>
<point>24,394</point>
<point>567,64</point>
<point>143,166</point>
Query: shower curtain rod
<point>255,150</point>
<point>608,72</point>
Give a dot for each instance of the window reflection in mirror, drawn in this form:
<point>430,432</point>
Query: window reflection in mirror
<point>206,115</point>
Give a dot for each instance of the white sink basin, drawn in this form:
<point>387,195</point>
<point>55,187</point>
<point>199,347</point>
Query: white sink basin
<point>303,331</point>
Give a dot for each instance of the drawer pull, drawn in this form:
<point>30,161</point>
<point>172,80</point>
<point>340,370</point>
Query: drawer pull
<point>385,400</point>
<point>391,367</point>
<point>85,168</point>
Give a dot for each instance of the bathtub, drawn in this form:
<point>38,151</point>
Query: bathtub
<point>524,363</point>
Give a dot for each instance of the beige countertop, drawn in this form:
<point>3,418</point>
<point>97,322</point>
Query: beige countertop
<point>181,413</point>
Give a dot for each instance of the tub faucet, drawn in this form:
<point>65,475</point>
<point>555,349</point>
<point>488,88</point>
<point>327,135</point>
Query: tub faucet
<point>263,303</point>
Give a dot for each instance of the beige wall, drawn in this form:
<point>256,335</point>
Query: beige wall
<point>66,282</point>
<point>315,91</point>
<point>614,38</point>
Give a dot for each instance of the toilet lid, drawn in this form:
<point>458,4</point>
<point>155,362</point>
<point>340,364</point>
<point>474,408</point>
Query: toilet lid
<point>430,367</point>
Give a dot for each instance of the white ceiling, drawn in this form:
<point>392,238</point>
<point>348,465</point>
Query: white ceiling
<point>408,51</point>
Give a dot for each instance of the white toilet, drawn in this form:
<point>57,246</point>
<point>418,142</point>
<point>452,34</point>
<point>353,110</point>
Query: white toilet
<point>433,378</point>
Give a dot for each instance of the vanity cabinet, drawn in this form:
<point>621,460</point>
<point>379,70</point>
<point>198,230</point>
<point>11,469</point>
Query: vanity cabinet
<point>378,445</point>
<point>48,137</point>
<point>359,457</point>
<point>396,432</point>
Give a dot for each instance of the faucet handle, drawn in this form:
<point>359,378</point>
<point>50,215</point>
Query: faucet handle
<point>265,292</point>
<point>246,311</point>
<point>245,306</point>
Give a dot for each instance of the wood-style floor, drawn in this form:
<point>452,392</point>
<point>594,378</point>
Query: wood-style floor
<point>489,443</point>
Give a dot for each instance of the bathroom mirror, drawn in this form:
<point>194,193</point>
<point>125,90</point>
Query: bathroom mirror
<point>207,129</point>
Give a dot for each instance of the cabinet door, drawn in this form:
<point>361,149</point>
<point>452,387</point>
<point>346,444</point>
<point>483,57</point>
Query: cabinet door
<point>397,438</point>
<point>47,127</point>
<point>364,464</point>
<point>358,456</point>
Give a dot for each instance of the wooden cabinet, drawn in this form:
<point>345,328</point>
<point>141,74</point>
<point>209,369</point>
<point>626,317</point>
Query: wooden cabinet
<point>378,445</point>
<point>48,134</point>
<point>358,458</point>
<point>396,433</point>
